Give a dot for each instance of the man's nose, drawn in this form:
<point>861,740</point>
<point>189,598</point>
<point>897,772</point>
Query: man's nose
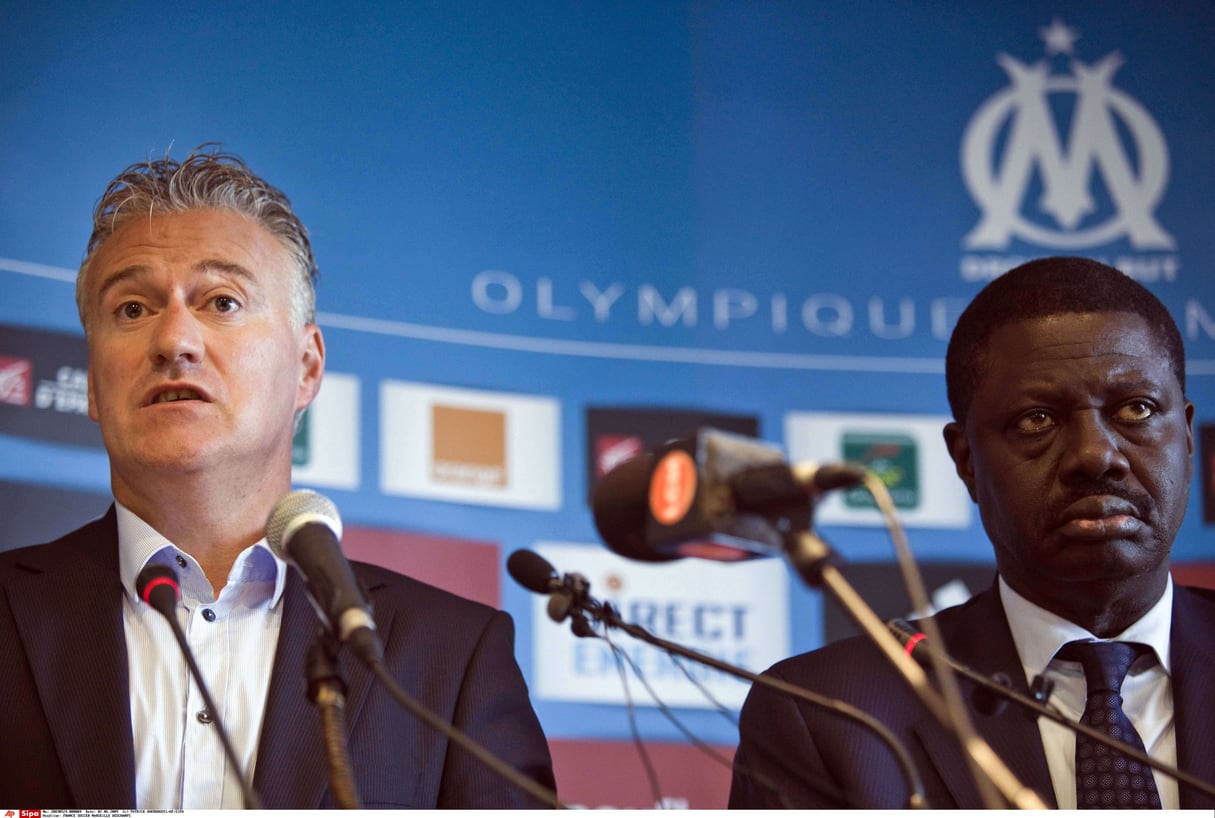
<point>1094,448</point>
<point>177,336</point>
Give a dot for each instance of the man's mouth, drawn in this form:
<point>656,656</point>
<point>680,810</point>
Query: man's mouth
<point>1101,518</point>
<point>1113,527</point>
<point>171,395</point>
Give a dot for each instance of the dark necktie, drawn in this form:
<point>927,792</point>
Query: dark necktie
<point>1105,777</point>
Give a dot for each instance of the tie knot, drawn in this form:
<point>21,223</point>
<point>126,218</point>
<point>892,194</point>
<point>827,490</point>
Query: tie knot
<point>1105,663</point>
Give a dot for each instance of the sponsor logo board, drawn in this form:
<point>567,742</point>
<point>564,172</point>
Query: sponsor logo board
<point>736,613</point>
<point>617,434</point>
<point>325,449</point>
<point>470,446</point>
<point>905,451</point>
<point>44,387</point>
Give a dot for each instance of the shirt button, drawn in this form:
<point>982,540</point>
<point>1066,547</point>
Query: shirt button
<point>204,716</point>
<point>181,561</point>
<point>208,614</point>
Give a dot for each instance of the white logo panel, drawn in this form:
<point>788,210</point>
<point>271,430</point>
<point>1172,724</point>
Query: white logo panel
<point>737,613</point>
<point>328,453</point>
<point>470,446</point>
<point>914,464</point>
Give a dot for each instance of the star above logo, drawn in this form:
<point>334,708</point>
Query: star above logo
<point>1059,38</point>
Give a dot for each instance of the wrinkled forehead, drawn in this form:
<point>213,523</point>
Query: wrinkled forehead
<point>196,239</point>
<point>1109,345</point>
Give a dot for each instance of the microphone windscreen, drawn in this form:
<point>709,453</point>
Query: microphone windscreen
<point>620,506</point>
<point>531,570</point>
<point>294,506</point>
<point>155,576</point>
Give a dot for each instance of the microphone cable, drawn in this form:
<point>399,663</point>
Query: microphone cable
<point>465,741</point>
<point>159,587</point>
<point>700,744</point>
<point>345,615</point>
<point>916,648</point>
<point>990,789</point>
<point>618,654</point>
<point>525,569</point>
<point>720,708</point>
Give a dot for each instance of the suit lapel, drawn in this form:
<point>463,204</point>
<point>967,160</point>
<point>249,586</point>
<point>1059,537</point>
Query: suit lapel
<point>79,661</point>
<point>977,636</point>
<point>288,776</point>
<point>1193,678</point>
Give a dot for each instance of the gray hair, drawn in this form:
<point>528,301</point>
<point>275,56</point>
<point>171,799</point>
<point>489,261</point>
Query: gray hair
<point>207,178</point>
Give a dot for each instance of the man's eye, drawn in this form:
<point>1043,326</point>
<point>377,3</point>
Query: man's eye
<point>131,309</point>
<point>1136,410</point>
<point>225,303</point>
<point>1034,421</point>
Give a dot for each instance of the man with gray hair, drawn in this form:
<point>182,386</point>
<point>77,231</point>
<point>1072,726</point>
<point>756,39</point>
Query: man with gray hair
<point>197,298</point>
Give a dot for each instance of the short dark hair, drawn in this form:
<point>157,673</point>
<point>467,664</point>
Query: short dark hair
<point>1044,287</point>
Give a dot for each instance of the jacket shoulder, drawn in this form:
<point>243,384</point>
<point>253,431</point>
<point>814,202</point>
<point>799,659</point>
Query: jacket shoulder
<point>88,541</point>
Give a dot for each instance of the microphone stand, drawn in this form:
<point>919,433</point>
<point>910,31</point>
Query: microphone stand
<point>606,613</point>
<point>327,690</point>
<point>813,559</point>
<point>369,651</point>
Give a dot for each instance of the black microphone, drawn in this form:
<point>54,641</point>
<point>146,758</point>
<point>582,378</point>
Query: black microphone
<point>568,596</point>
<point>715,495</point>
<point>533,572</point>
<point>304,530</point>
<point>999,687</point>
<point>158,586</point>
<point>988,696</point>
<point>537,574</point>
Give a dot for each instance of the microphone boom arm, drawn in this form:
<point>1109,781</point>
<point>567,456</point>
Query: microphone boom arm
<point>1054,715</point>
<point>812,558</point>
<point>607,614</point>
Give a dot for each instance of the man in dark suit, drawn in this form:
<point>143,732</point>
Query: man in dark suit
<point>197,299</point>
<point>1073,435</point>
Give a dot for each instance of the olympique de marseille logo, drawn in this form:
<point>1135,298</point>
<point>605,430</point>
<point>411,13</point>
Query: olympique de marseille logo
<point>1019,122</point>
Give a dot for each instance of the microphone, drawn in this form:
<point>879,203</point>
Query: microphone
<point>537,574</point>
<point>158,586</point>
<point>568,596</point>
<point>999,687</point>
<point>715,495</point>
<point>988,697</point>
<point>304,530</point>
<point>533,572</point>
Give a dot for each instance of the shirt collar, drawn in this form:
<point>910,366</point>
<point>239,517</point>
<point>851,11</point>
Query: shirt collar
<point>1038,634</point>
<point>139,545</point>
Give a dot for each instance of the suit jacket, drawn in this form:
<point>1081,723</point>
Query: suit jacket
<point>65,710</point>
<point>794,754</point>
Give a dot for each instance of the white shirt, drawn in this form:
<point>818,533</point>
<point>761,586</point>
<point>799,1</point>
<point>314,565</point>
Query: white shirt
<point>179,758</point>
<point>1147,692</point>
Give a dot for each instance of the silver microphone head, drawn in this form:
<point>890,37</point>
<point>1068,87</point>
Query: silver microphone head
<point>295,509</point>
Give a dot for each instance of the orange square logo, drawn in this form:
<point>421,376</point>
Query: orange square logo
<point>469,446</point>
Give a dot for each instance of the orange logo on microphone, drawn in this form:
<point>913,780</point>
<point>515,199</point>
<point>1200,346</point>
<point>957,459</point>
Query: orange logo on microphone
<point>672,487</point>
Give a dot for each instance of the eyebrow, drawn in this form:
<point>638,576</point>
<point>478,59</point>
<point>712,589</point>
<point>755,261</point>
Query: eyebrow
<point>136,271</point>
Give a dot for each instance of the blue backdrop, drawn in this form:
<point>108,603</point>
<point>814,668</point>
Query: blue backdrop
<point>748,208</point>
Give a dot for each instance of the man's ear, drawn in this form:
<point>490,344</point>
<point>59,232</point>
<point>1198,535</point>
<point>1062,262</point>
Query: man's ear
<point>959,450</point>
<point>312,366</point>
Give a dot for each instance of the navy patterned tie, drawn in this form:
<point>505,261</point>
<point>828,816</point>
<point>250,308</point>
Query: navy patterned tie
<point>1105,777</point>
